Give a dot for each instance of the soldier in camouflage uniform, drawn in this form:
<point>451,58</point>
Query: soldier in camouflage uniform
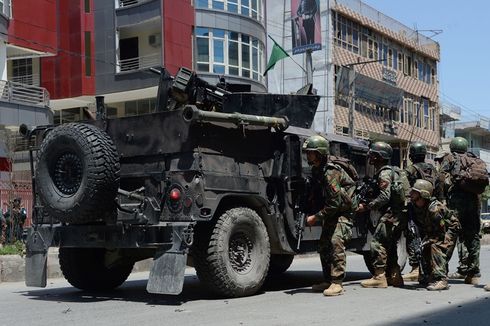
<point>439,228</point>
<point>15,218</point>
<point>386,216</point>
<point>419,170</point>
<point>336,214</point>
<point>467,206</point>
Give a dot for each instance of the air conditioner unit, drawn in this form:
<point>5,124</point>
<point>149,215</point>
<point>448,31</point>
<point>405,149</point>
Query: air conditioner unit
<point>155,39</point>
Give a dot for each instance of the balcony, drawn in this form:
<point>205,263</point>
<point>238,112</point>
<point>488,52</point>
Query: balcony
<point>139,63</point>
<point>14,92</point>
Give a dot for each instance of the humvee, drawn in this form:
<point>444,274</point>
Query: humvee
<point>213,178</point>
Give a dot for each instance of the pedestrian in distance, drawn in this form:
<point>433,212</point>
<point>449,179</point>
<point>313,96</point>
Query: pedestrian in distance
<point>386,214</point>
<point>335,215</point>
<point>439,228</point>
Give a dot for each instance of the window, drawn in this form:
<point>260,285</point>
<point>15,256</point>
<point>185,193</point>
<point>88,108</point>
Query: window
<point>22,71</point>
<point>408,65</point>
<point>231,53</point>
<point>250,8</point>
<point>400,61</point>
<point>346,33</point>
<point>87,6</point>
<point>425,103</point>
<point>433,75</point>
<point>390,58</point>
<point>418,118</point>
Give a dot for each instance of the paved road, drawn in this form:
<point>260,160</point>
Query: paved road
<point>286,300</point>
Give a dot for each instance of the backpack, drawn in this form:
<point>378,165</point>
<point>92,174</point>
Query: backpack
<point>346,165</point>
<point>470,173</point>
<point>427,172</point>
<point>400,187</point>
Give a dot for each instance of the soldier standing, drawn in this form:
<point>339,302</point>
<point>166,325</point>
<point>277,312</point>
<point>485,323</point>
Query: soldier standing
<point>467,206</point>
<point>15,218</point>
<point>439,228</point>
<point>385,213</point>
<point>426,171</point>
<point>336,214</point>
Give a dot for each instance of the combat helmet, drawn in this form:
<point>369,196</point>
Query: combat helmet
<point>316,143</point>
<point>458,145</point>
<point>417,149</point>
<point>424,188</point>
<point>382,148</point>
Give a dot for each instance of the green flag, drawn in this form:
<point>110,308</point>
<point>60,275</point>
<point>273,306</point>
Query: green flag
<point>277,54</point>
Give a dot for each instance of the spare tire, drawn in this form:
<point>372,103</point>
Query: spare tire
<point>77,174</point>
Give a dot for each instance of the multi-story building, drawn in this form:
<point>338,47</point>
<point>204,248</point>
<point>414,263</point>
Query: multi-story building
<point>26,36</point>
<point>119,40</point>
<point>378,78</point>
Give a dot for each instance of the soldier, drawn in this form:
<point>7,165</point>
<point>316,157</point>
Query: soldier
<point>426,171</point>
<point>439,228</point>
<point>15,218</point>
<point>385,213</point>
<point>467,206</point>
<point>336,214</point>
<point>3,228</point>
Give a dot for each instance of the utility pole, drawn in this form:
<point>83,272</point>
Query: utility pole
<point>309,67</point>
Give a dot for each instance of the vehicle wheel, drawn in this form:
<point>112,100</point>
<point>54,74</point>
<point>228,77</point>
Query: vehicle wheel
<point>85,269</point>
<point>77,173</point>
<point>232,259</point>
<point>280,263</point>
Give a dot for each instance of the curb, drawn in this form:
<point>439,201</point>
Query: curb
<point>12,267</point>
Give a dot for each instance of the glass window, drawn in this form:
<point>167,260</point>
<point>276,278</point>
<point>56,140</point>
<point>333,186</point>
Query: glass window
<point>201,3</point>
<point>218,4</point>
<point>219,51</point>
<point>233,53</point>
<point>202,49</point>
<point>232,6</point>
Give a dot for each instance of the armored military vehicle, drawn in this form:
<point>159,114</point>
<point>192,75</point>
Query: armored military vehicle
<point>212,178</point>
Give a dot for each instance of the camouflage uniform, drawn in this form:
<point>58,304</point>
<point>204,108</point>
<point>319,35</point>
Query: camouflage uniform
<point>14,220</point>
<point>336,216</point>
<point>3,228</point>
<point>467,206</point>
<point>439,228</point>
<point>383,245</point>
<point>412,175</point>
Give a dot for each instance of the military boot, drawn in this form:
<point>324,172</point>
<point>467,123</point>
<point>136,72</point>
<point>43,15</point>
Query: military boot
<point>377,281</point>
<point>320,287</point>
<point>487,287</point>
<point>413,275</point>
<point>456,276</point>
<point>395,278</point>
<point>471,279</point>
<point>333,290</point>
<point>438,285</point>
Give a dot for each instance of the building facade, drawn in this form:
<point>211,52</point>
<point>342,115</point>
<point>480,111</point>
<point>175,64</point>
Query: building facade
<point>378,77</point>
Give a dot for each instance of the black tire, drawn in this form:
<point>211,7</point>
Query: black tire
<point>280,264</point>
<point>85,269</point>
<point>232,259</point>
<point>77,173</point>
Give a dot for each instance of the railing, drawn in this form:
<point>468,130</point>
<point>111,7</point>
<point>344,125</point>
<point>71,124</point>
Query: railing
<point>148,61</point>
<point>23,94</point>
<point>125,3</point>
<point>33,79</point>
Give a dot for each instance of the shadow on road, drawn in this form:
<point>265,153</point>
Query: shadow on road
<point>290,282</point>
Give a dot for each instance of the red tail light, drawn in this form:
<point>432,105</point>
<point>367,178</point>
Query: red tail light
<point>175,194</point>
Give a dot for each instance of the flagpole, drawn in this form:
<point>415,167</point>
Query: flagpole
<point>290,56</point>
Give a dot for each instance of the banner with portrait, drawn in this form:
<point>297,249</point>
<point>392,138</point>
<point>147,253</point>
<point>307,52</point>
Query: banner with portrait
<point>306,25</point>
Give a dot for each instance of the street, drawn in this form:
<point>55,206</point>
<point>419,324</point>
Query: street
<point>285,300</point>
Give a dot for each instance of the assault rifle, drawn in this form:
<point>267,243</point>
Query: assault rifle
<point>300,210</point>
<point>365,191</point>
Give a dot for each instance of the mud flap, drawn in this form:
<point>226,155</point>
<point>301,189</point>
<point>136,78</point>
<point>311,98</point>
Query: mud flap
<point>38,242</point>
<point>167,273</point>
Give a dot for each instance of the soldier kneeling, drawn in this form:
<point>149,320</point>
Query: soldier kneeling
<point>438,228</point>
